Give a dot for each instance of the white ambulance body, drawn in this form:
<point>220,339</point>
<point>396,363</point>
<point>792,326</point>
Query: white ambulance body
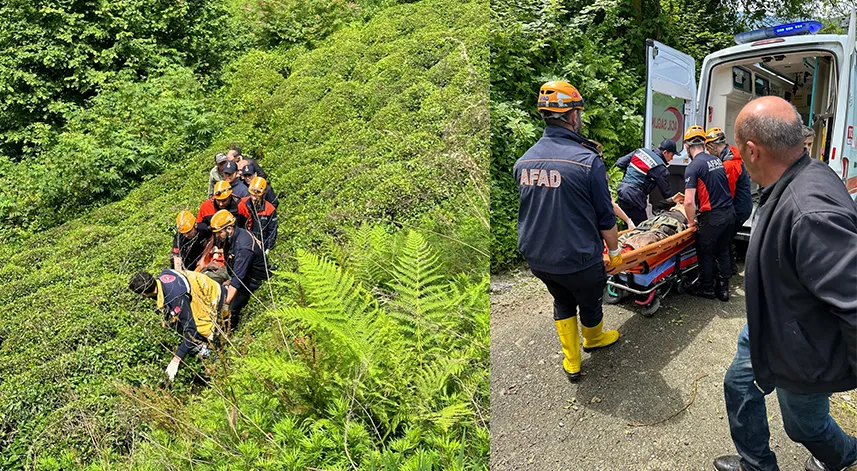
<point>816,73</point>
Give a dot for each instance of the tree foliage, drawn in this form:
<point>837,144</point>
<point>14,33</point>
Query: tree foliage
<point>130,132</point>
<point>58,54</point>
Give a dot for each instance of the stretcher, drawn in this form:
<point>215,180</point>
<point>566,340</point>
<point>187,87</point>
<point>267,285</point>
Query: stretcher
<point>210,254</point>
<point>649,273</point>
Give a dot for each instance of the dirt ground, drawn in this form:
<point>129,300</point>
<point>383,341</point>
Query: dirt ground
<point>540,421</point>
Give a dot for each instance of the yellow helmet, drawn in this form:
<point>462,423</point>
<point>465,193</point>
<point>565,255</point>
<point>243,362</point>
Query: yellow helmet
<point>222,190</point>
<point>185,222</point>
<point>714,135</point>
<point>694,133</point>
<point>559,97</point>
<point>257,186</point>
<point>221,220</point>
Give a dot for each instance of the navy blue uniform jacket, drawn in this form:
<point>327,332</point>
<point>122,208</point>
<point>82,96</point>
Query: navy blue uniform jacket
<point>177,299</point>
<point>647,169</point>
<point>564,203</point>
<point>247,262</point>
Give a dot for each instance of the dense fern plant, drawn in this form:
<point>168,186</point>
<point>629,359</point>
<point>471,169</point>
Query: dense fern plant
<point>344,373</point>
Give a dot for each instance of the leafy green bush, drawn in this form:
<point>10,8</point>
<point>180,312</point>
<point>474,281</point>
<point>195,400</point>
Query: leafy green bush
<point>57,54</point>
<point>287,23</point>
<point>131,132</point>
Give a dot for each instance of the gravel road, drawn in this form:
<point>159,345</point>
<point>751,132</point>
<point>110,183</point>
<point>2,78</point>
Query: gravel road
<point>540,421</point>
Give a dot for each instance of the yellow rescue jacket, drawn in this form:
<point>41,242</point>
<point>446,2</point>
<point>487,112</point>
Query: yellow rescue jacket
<point>204,300</point>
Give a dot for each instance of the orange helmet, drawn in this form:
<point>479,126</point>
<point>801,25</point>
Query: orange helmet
<point>257,186</point>
<point>559,97</point>
<point>221,220</point>
<point>185,222</point>
<point>715,136</point>
<point>222,190</point>
<point>694,133</point>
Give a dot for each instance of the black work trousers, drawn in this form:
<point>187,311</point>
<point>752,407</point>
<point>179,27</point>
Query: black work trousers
<point>240,300</point>
<point>583,289</point>
<point>714,242</point>
<point>636,214</point>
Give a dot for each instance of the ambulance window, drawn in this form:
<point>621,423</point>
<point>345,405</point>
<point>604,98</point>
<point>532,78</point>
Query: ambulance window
<point>763,86</point>
<point>741,79</point>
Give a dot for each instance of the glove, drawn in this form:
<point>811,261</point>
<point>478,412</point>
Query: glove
<point>204,352</point>
<point>615,258</point>
<point>631,225</point>
<point>173,368</point>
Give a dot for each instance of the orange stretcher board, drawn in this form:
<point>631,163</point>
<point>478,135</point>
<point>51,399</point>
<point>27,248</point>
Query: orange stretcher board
<point>639,260</point>
<point>209,257</point>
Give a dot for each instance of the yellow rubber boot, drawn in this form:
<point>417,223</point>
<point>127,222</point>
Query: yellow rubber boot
<point>569,337</point>
<point>594,338</point>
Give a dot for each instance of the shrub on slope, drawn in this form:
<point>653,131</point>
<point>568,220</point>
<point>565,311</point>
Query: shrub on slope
<point>381,123</point>
<point>131,132</point>
<point>57,54</point>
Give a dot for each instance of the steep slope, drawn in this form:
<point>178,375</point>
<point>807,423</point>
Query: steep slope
<point>385,123</point>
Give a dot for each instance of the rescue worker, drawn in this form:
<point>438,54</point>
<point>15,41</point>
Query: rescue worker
<point>261,215</point>
<point>216,173</point>
<point>644,169</point>
<point>230,174</point>
<point>190,302</point>
<point>222,199</point>
<point>189,242</point>
<point>738,178</point>
<point>707,191</point>
<point>242,161</point>
<point>246,262</point>
<point>249,172</point>
<point>564,218</point>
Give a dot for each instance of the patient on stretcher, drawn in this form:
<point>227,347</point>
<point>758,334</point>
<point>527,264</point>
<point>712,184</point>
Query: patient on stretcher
<point>654,229</point>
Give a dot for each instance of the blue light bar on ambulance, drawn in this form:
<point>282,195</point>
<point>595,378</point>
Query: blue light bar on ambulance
<point>779,31</point>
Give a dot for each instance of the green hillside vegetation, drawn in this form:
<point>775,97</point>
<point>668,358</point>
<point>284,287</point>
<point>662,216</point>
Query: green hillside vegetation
<point>69,139</point>
<point>58,54</point>
<point>370,347</point>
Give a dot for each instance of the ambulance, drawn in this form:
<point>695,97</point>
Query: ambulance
<point>816,73</point>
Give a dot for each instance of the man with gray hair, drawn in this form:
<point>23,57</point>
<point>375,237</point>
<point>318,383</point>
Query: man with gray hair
<point>801,295</point>
<point>216,173</point>
<point>808,138</point>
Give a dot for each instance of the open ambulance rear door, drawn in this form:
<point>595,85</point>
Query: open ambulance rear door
<point>670,103</point>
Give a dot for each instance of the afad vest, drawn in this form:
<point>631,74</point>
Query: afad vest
<point>204,299</point>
